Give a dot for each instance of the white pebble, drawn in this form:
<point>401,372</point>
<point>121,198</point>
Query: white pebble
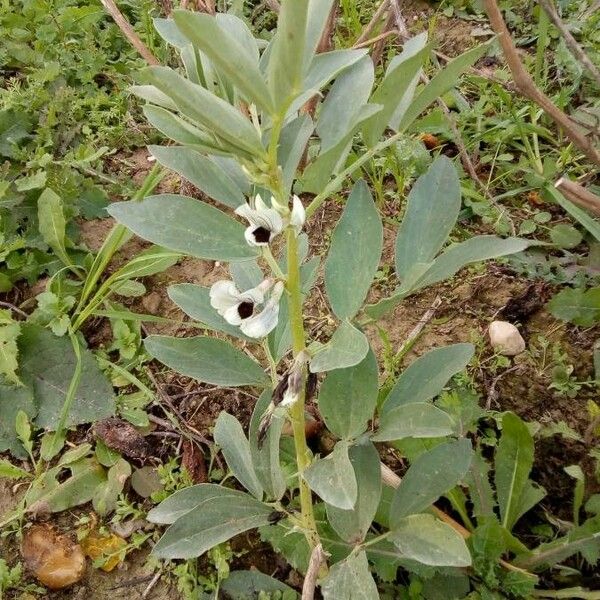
<point>505,338</point>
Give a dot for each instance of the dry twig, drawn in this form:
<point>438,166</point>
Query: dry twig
<point>526,86</point>
<point>128,31</point>
<point>579,195</point>
<point>366,32</point>
<point>317,559</point>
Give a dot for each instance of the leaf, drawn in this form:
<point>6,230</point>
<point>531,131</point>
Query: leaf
<point>431,212</point>
<point>354,254</point>
<point>352,525</point>
<point>229,435</point>
<point>9,351</point>
<point>225,52</point>
<point>266,458</point>
<point>246,274</point>
<point>397,87</point>
<point>201,171</point>
<point>430,476</point>
<point>350,579</point>
<point>480,488</point>
<point>343,103</point>
<point>106,551</point>
<point>243,585</point>
<point>206,359</point>
<point>194,301</point>
<point>429,541</point>
<point>106,494</point>
<point>426,377</point>
<point>146,263</point>
<point>582,217</point>
<point>332,478</point>
<point>513,462</point>
<point>48,493</point>
<point>347,398</point>
<point>417,420</point>
<point>52,223</point>
<point>185,225</point>
<point>576,472</point>
<point>581,307</point>
<point>441,82</point>
<point>346,348</point>
<point>223,515</point>
<point>214,114</point>
<point>292,143</point>
<point>47,367</point>
<point>565,236</point>
<point>10,471</point>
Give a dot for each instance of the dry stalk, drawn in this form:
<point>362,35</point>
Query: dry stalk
<point>526,86</point>
<point>579,195</point>
<point>366,32</point>
<point>123,24</point>
<point>317,560</point>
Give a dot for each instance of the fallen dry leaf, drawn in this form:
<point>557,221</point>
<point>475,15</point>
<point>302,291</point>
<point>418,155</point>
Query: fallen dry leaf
<point>192,460</point>
<point>54,559</point>
<point>121,436</point>
<point>107,547</point>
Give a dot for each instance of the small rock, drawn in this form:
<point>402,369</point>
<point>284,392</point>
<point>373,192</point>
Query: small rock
<point>505,338</point>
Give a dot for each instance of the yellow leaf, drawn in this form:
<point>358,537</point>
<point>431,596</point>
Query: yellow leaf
<point>104,550</point>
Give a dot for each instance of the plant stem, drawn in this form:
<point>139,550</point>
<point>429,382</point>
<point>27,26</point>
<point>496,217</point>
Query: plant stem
<point>297,410</point>
<point>270,259</point>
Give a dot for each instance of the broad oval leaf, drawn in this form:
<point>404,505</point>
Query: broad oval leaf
<point>354,254</point>
<point>332,478</point>
<point>352,525</point>
<point>206,359</point>
<point>347,398</point>
<point>229,435</point>
<point>346,348</point>
<point>432,208</point>
<point>185,225</point>
<point>350,579</point>
<point>211,523</point>
<point>194,301</point>
<point>429,476</point>
<point>243,585</point>
<point>416,420</point>
<point>201,171</point>
<point>426,377</point>
<point>431,542</point>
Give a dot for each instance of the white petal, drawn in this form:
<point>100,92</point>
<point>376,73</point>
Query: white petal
<point>232,316</point>
<point>224,295</point>
<point>267,218</point>
<point>263,323</point>
<point>256,295</point>
<point>298,215</point>
<point>259,203</point>
<point>288,398</point>
<point>245,211</point>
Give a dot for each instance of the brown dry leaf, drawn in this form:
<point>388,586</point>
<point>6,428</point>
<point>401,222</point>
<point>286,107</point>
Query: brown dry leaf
<point>192,461</point>
<point>108,547</point>
<point>431,141</point>
<point>55,560</point>
<point>121,436</point>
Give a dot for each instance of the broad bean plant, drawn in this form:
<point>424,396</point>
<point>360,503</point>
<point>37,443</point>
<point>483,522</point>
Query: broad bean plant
<point>241,134</point>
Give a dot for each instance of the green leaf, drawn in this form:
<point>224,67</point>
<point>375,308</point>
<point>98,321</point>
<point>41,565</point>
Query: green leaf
<point>426,377</point>
<point>347,398</point>
<point>155,97</point>
<point>343,103</point>
<point>244,585</point>
<point>316,19</point>
<point>397,87</point>
<point>352,525</point>
<point>226,53</point>
<point>416,420</point>
<point>146,263</point>
<point>513,462</point>
<point>216,519</point>
<point>350,579</point>
<point>47,366</point>
<point>266,458</point>
<point>581,307</point>
<point>441,82</point>
<point>52,493</point>
<point>591,224</point>
<point>211,112</point>
<point>565,236</point>
<point>9,352</point>
<point>52,223</point>
<point>430,476</point>
<point>106,494</point>
<point>332,478</point>
<point>286,66</point>
<point>185,225</point>
<point>9,471</point>
<point>346,348</point>
<point>292,143</point>
<point>246,274</point>
<point>229,435</point>
<point>354,254</point>
<point>429,541</point>
<point>206,359</point>
<point>201,171</point>
<point>194,300</point>
<point>431,212</point>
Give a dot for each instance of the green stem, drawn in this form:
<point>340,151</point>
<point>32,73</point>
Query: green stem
<point>297,410</point>
<point>271,360</point>
<point>268,256</point>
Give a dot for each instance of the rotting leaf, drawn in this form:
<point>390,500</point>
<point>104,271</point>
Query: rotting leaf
<point>107,551</point>
<point>192,460</point>
<point>121,436</point>
<point>55,560</point>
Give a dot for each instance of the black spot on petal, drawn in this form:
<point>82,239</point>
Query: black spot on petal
<point>245,309</point>
<point>262,235</point>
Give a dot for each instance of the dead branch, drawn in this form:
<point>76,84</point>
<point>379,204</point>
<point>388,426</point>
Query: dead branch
<point>579,195</point>
<point>123,24</point>
<point>273,5</point>
<point>526,86</point>
<point>366,32</point>
<point>377,52</point>
<point>317,559</point>
<point>576,50</point>
<point>375,39</point>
